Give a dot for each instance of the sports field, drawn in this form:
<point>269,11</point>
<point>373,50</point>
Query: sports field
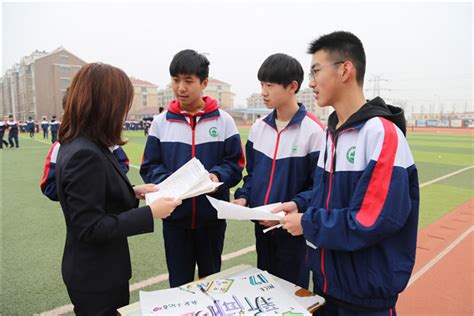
<point>33,230</point>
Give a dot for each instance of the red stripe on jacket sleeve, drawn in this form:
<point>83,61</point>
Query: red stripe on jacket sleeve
<point>379,183</point>
<point>47,166</point>
<point>315,119</point>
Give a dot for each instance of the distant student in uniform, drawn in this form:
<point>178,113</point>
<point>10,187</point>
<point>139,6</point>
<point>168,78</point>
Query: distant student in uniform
<point>23,127</point>
<point>361,221</point>
<point>30,127</point>
<point>281,152</point>
<point>45,127</point>
<point>193,126</point>
<point>13,129</point>
<point>54,124</point>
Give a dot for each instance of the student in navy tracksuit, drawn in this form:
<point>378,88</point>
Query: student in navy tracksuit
<point>54,125</point>
<point>194,126</point>
<point>45,127</point>
<point>48,181</point>
<point>361,220</point>
<point>30,126</point>
<point>12,131</point>
<point>3,127</point>
<point>281,153</point>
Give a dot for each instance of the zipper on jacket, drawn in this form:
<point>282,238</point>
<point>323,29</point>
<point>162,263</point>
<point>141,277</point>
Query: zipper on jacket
<point>331,168</point>
<point>272,172</point>
<point>192,123</point>
<point>331,171</point>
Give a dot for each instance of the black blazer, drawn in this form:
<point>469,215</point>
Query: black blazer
<point>100,210</point>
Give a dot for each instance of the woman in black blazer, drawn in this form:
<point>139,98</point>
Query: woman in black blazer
<point>100,205</point>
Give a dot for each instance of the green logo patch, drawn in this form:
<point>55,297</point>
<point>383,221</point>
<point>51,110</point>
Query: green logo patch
<point>213,132</point>
<point>350,155</point>
<point>294,149</point>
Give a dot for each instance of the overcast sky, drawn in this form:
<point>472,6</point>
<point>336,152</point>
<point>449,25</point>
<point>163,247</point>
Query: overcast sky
<point>424,50</point>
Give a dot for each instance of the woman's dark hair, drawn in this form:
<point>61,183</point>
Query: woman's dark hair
<point>98,101</point>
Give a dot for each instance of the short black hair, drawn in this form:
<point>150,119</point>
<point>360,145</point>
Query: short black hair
<point>190,62</point>
<point>282,69</point>
<point>342,45</point>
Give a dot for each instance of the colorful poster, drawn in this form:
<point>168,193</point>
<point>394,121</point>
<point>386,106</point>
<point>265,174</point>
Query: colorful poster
<point>254,294</point>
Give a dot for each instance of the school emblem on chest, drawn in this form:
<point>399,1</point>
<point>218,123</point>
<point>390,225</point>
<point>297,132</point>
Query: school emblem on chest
<point>213,132</point>
<point>350,155</point>
<point>294,149</point>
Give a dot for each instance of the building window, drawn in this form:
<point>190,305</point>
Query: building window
<point>65,82</point>
<point>144,100</point>
<point>65,70</point>
<point>143,89</point>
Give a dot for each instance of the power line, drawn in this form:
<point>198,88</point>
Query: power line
<point>377,79</point>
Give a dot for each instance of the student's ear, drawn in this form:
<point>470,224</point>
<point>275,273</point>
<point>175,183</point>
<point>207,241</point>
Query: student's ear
<point>204,83</point>
<point>347,71</point>
<point>294,86</point>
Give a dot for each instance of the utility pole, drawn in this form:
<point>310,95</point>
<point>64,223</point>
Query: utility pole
<point>376,87</point>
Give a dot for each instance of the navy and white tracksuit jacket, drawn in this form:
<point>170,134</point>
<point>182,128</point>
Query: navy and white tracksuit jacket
<point>192,233</point>
<point>13,127</point>
<point>279,166</point>
<point>212,137</point>
<point>361,222</point>
<point>48,181</point>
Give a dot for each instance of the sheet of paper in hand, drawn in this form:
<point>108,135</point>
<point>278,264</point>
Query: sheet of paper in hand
<point>226,210</point>
<point>192,179</point>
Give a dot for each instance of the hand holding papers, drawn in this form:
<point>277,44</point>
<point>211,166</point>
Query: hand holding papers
<point>226,210</point>
<point>192,179</point>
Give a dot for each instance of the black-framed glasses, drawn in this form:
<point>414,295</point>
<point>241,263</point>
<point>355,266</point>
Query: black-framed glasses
<point>314,72</point>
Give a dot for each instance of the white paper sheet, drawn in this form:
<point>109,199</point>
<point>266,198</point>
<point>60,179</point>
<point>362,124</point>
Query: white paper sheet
<point>226,210</point>
<point>191,180</point>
